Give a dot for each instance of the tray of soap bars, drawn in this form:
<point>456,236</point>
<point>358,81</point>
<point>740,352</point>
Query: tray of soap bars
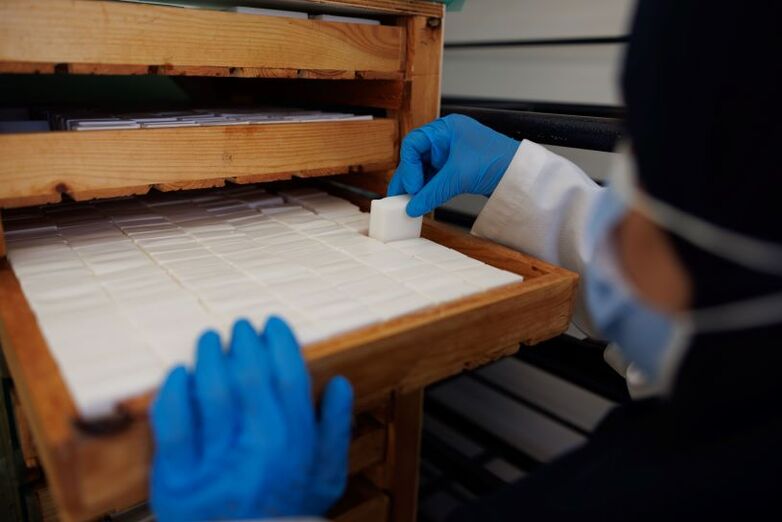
<point>98,300</point>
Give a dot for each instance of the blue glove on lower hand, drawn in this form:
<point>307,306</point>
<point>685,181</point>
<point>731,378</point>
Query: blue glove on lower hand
<point>238,438</point>
<point>450,156</point>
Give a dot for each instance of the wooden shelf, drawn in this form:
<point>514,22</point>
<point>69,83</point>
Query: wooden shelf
<point>102,37</point>
<point>92,471</point>
<point>40,167</point>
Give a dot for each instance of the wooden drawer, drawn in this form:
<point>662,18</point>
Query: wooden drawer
<point>98,467</point>
<point>41,167</point>
<point>85,36</point>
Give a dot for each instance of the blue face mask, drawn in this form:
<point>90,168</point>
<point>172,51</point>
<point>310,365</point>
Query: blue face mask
<point>644,335</point>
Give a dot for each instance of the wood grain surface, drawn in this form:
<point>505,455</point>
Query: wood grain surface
<point>92,473</point>
<point>108,163</point>
<point>101,32</point>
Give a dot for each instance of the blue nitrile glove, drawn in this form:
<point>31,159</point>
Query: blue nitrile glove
<point>450,156</point>
<point>238,437</point>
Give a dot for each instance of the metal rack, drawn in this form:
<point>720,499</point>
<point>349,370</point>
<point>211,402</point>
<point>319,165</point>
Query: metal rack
<point>580,131</point>
<point>540,42</point>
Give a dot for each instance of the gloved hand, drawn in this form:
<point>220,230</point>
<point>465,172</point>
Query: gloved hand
<point>238,437</point>
<point>450,156</point>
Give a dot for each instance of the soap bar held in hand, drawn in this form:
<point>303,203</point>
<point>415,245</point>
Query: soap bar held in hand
<point>389,221</point>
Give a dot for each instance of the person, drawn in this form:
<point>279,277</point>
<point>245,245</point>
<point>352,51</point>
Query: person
<point>681,265</point>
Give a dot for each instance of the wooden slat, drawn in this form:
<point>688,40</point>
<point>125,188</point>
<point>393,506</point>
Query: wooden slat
<point>47,509</point>
<point>362,502</point>
<point>41,390</point>
<point>92,474</point>
<point>194,70</point>
<point>423,70</point>
<point>369,443</point>
<point>405,450</point>
<point>23,433</point>
<point>2,235</point>
<point>106,163</point>
<point>101,32</point>
<point>421,94</point>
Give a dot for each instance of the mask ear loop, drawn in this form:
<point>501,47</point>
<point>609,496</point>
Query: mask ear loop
<point>756,254</point>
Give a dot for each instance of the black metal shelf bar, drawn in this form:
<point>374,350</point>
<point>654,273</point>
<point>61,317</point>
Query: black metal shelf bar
<point>540,42</point>
<point>581,132</point>
<point>570,109</point>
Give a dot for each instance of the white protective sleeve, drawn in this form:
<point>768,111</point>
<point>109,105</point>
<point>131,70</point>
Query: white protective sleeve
<point>540,207</point>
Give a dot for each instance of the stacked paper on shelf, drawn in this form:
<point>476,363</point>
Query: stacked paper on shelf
<point>122,288</point>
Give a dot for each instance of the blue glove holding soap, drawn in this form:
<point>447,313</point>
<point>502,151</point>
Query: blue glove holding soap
<point>238,437</point>
<point>448,157</point>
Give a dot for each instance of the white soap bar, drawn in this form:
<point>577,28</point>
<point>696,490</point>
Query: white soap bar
<point>269,12</point>
<point>388,220</point>
<point>345,19</point>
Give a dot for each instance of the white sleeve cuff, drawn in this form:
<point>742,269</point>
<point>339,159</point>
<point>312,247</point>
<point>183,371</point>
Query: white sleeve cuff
<point>540,207</point>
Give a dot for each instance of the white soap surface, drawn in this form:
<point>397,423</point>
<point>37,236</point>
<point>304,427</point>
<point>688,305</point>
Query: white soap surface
<point>123,288</point>
<point>388,220</point>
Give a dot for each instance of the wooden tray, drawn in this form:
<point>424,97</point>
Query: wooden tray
<point>99,37</point>
<point>93,469</point>
<point>39,167</point>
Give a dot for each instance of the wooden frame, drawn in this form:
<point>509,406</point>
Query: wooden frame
<point>91,473</point>
<point>41,167</point>
<point>395,67</point>
<point>96,34</point>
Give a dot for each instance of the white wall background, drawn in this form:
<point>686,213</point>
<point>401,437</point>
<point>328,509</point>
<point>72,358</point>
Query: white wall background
<point>566,74</point>
<point>578,74</point>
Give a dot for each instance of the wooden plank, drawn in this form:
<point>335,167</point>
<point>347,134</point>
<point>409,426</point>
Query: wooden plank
<point>423,69</point>
<point>91,474</point>
<point>423,65</point>
<point>26,68</point>
<point>212,71</point>
<point>191,184</point>
<point>2,235</point>
<point>102,193</point>
<point>362,502</point>
<point>113,69</point>
<point>84,164</point>
<point>101,32</point>
<point>41,390</point>
<point>369,443</point>
<point>405,449</point>
<point>373,509</point>
<point>220,72</point>
<point>26,444</point>
<point>46,505</point>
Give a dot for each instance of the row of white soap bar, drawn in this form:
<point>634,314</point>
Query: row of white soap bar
<point>283,13</point>
<point>302,15</point>
<point>123,288</point>
<point>197,118</point>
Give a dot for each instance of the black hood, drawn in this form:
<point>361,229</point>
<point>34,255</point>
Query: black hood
<point>703,88</point>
